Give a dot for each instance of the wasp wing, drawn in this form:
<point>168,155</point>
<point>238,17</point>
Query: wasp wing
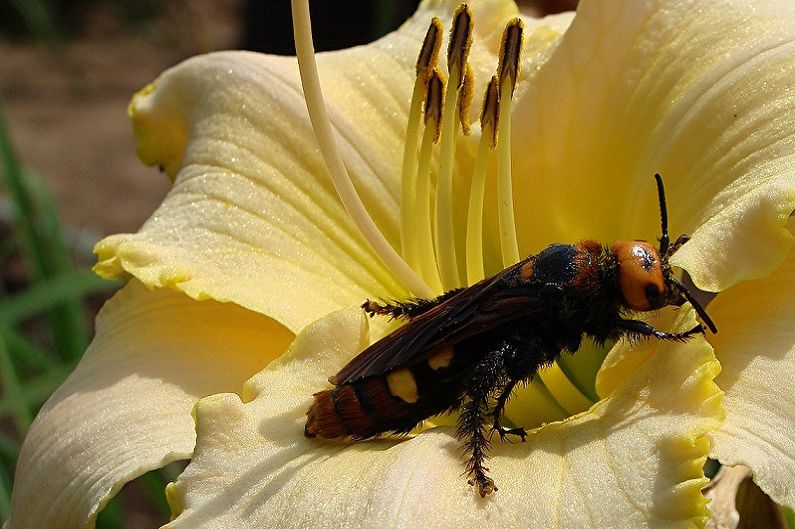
<point>472,311</point>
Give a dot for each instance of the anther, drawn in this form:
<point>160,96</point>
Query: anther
<point>465,99</point>
<point>460,42</point>
<point>429,52</point>
<point>489,116</point>
<point>434,102</point>
<point>510,51</point>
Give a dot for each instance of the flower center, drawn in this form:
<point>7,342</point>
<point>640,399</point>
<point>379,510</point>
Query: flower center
<point>427,261</point>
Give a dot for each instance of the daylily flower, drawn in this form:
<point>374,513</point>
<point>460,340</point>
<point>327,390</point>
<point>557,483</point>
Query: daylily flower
<point>244,285</point>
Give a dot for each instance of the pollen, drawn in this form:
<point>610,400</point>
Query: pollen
<point>402,385</point>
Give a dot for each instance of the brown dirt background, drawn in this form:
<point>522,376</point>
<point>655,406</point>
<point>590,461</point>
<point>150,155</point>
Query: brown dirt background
<point>66,107</point>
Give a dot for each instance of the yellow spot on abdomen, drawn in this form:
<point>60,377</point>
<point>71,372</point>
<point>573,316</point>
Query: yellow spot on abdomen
<point>401,384</point>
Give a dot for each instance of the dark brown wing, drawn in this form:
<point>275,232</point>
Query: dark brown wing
<point>476,309</point>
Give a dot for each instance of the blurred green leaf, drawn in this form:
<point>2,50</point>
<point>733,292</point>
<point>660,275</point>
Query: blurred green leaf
<point>30,357</point>
<point>39,226</point>
<point>5,494</point>
<point>12,388</point>
<point>56,290</point>
<point>38,17</point>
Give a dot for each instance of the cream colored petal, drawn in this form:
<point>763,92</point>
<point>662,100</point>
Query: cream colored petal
<point>756,347</point>
<point>634,460</point>
<point>700,92</point>
<point>253,217</point>
<point>126,409</point>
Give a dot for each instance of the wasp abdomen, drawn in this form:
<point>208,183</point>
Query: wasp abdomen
<point>353,410</point>
<point>394,402</point>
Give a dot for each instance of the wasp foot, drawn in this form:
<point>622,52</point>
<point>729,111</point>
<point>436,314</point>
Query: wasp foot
<point>504,432</point>
<point>485,484</point>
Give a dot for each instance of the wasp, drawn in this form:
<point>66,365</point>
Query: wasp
<point>467,349</point>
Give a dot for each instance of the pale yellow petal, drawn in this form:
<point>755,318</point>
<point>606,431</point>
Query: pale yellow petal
<point>634,460</point>
<point>700,92</point>
<point>756,347</point>
<point>625,357</point>
<point>126,409</point>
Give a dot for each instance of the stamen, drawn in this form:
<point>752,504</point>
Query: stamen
<point>488,140</point>
<point>465,99</point>
<point>460,42</point>
<point>510,53</point>
<point>457,53</point>
<point>302,30</point>
<point>567,395</point>
<point>508,71</point>
<point>422,230</point>
<point>426,62</point>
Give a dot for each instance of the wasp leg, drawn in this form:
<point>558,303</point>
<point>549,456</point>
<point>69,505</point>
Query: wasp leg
<point>678,243</point>
<point>408,309</point>
<point>521,361</point>
<point>498,410</point>
<point>471,431</point>
<point>637,329</point>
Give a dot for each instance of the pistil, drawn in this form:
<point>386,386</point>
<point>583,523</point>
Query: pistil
<point>318,115</point>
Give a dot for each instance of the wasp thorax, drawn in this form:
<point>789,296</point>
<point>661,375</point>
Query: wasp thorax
<point>640,275</point>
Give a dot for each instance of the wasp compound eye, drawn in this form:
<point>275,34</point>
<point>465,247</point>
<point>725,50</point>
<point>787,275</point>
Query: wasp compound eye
<point>654,295</point>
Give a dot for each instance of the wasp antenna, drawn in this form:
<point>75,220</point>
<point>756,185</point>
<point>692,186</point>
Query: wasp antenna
<point>696,305</point>
<point>664,239</point>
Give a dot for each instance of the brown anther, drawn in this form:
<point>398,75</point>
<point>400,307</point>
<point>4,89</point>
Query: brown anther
<point>429,53</point>
<point>434,102</point>
<point>465,95</point>
<point>489,116</point>
<point>460,42</point>
<point>510,53</point>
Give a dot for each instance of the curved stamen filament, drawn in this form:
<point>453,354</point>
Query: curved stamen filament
<point>426,62</point>
<point>488,140</point>
<point>563,390</point>
<point>458,51</point>
<point>328,146</point>
<point>508,72</point>
<point>424,233</point>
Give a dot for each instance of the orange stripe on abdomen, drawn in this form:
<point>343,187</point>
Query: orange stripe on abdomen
<point>360,409</point>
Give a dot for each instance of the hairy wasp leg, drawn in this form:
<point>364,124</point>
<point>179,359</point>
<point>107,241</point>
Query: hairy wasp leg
<point>471,430</point>
<point>521,360</point>
<point>407,309</point>
<point>635,329</point>
<point>498,410</point>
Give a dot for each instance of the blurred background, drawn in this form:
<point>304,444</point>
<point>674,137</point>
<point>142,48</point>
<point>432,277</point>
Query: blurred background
<point>69,175</point>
